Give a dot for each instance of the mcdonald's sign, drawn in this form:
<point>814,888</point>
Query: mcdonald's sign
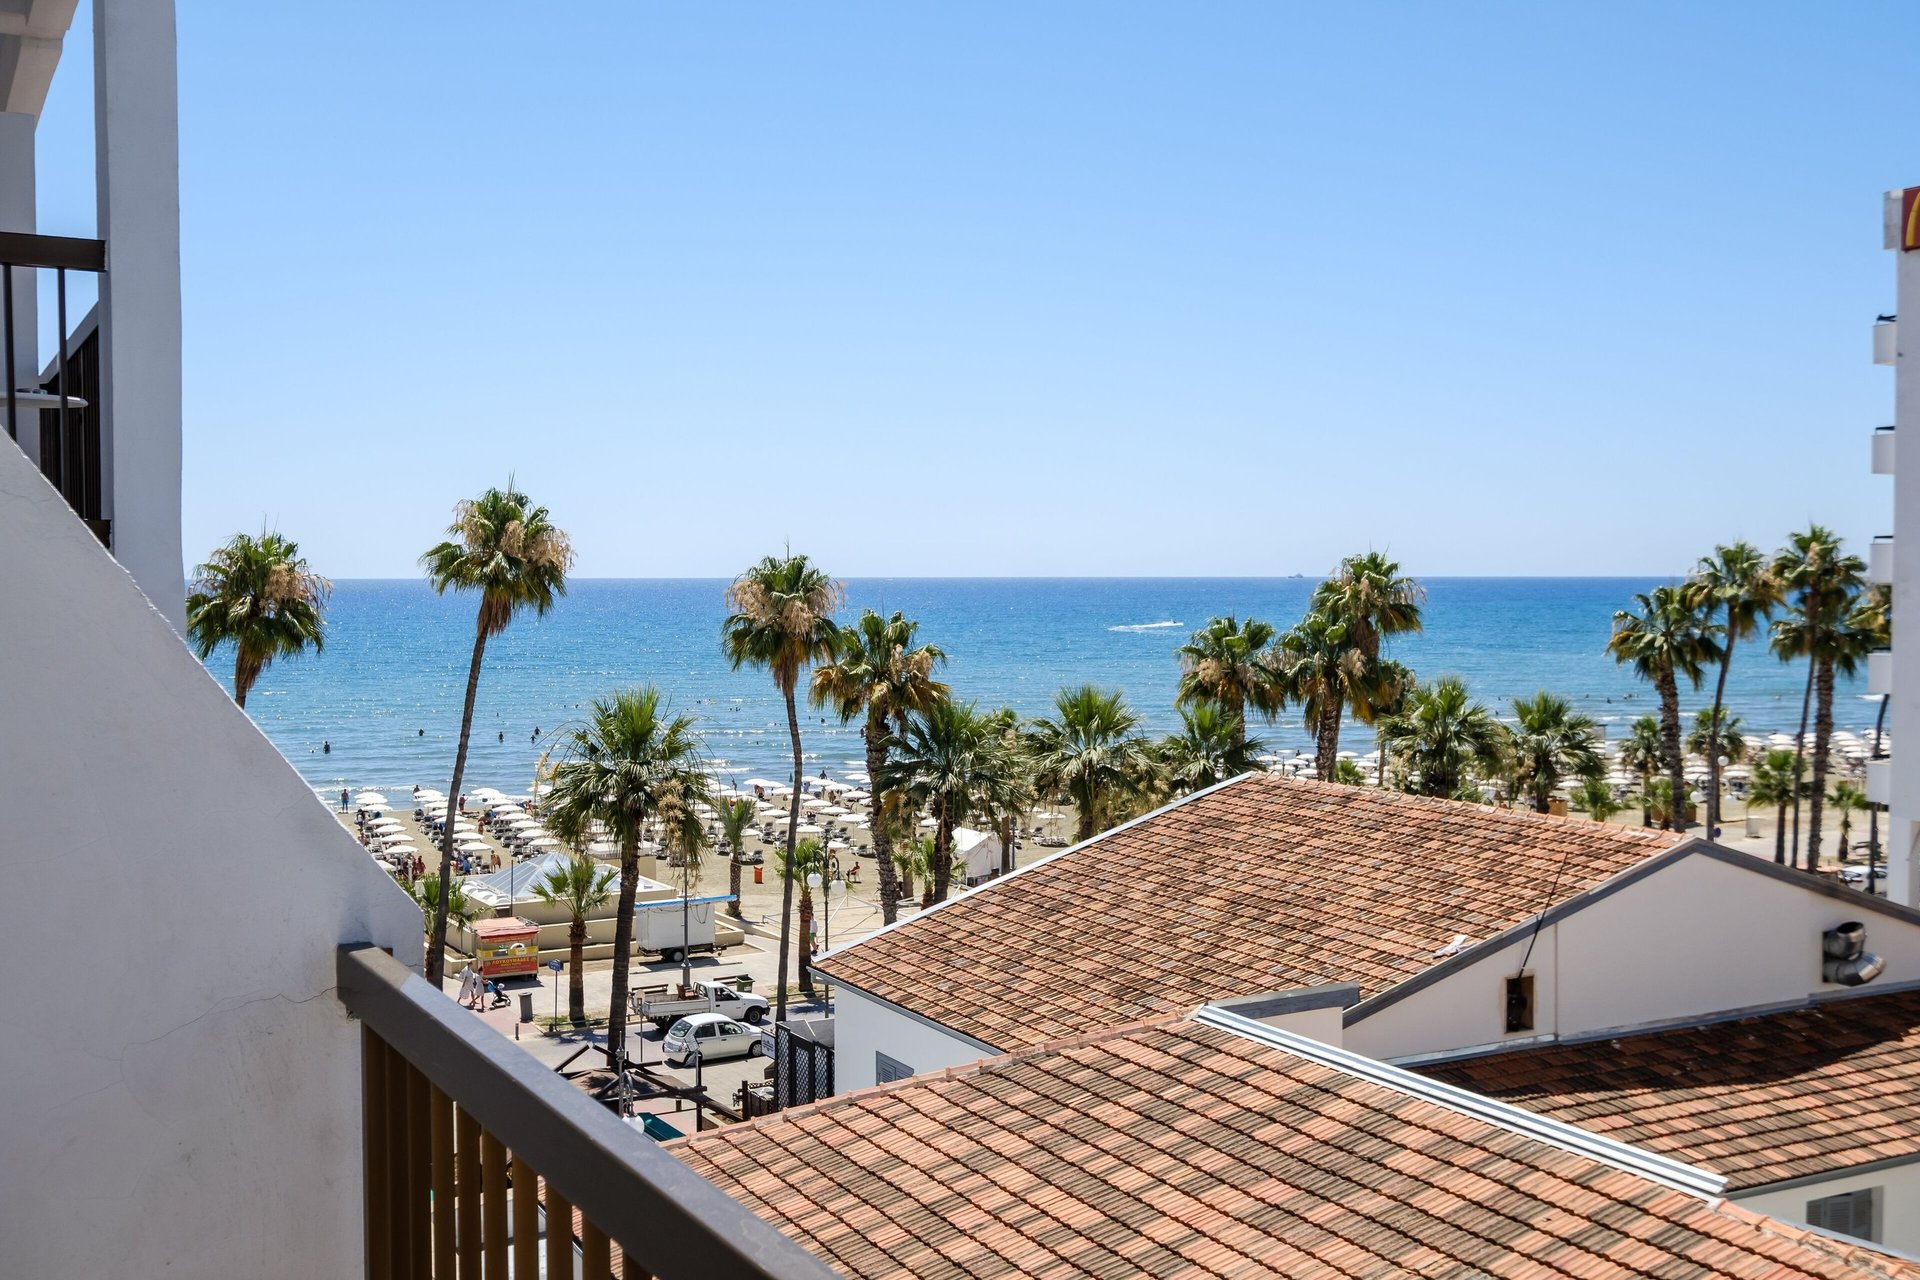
<point>1910,218</point>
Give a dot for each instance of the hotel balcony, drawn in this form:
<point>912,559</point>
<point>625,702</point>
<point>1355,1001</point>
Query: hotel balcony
<point>1880,672</point>
<point>475,1154</point>
<point>1880,561</point>
<point>1883,451</point>
<point>1880,782</point>
<point>1886,342</point>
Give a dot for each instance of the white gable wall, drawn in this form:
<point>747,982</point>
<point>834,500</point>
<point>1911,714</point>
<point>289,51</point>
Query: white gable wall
<point>1702,935</point>
<point>864,1026</point>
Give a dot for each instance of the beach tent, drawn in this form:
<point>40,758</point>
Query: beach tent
<point>980,850</point>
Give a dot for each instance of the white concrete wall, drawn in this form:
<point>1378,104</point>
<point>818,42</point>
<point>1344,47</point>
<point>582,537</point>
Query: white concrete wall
<point>1328,1025</point>
<point>1903,711</point>
<point>182,1089</point>
<point>137,160</point>
<point>1899,1203</point>
<point>863,1026</point>
<point>1698,937</point>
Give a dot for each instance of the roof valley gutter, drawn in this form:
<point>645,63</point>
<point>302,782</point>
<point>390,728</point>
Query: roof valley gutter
<point>1658,1168</point>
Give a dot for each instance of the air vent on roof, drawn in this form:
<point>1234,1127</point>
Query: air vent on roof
<point>1844,956</point>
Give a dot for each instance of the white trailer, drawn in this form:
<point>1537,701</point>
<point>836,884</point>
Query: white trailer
<point>669,926</point>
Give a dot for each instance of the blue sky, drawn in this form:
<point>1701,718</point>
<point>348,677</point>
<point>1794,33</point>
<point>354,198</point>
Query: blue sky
<point>1002,288</point>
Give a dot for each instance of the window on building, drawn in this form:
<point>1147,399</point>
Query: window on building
<point>1520,1003</point>
<point>1854,1213</point>
<point>885,1069</point>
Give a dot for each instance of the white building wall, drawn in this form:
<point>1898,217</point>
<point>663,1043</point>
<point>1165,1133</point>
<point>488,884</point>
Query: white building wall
<point>1899,1202</point>
<point>137,159</point>
<point>182,1086</point>
<point>1698,937</point>
<point>864,1026</point>
<point>19,186</point>
<point>1903,711</point>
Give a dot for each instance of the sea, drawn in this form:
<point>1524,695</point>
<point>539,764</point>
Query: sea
<point>380,706</point>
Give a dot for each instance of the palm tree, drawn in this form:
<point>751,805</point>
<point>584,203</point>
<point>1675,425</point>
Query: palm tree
<point>1818,580</point>
<point>258,595</point>
<point>735,817</point>
<point>1642,752</point>
<point>1772,786</point>
<point>1666,639</point>
<point>1012,793</point>
<point>1859,628</point>
<point>1206,751</point>
<point>1366,600</point>
<point>782,621</point>
<point>877,671</point>
<point>1713,741</point>
<point>1445,737</point>
<point>503,546</point>
<point>1088,750</point>
<point>1348,774</point>
<point>435,906</point>
<point>952,761</point>
<point>1846,800</point>
<point>1660,797</point>
<point>1317,664</point>
<point>579,886</point>
<point>1735,584</point>
<point>1595,797</point>
<point>633,762</point>
<point>1220,664</point>
<point>806,857</point>
<point>685,838</point>
<point>1552,744</point>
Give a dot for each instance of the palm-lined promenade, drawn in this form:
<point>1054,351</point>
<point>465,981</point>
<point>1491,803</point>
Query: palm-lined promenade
<point>941,774</point>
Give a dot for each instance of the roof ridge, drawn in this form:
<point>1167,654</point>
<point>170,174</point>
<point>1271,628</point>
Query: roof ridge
<point>1610,830</point>
<point>1635,1160</point>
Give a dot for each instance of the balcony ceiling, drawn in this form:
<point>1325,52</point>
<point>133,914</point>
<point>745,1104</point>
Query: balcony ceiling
<point>31,32</point>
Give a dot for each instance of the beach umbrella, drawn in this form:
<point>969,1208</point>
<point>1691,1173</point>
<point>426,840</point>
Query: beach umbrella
<point>370,800</point>
<point>808,829</point>
<point>544,842</point>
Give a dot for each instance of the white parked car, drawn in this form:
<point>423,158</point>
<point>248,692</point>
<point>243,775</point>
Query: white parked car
<point>711,1037</point>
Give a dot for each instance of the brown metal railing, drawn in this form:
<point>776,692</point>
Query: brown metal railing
<point>481,1165</point>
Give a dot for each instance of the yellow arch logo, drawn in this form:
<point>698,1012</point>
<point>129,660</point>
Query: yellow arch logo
<point>1910,218</point>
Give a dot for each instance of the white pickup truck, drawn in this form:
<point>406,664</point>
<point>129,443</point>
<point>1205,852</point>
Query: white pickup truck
<point>714,997</point>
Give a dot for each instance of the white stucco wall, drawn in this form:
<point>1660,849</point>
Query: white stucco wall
<point>1698,937</point>
<point>1902,833</point>
<point>182,1087</point>
<point>863,1026</point>
<point>1899,1203</point>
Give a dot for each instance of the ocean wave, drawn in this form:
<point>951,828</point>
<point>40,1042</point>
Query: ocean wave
<point>1147,626</point>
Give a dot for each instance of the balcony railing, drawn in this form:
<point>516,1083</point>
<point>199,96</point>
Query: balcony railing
<point>63,409</point>
<point>481,1162</point>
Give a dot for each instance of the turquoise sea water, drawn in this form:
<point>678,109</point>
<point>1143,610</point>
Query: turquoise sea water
<point>396,659</point>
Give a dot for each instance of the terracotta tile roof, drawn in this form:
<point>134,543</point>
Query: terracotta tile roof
<point>1183,1149</point>
<point>1760,1099</point>
<point>1261,885</point>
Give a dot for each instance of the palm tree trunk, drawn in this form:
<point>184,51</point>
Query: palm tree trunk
<point>1006,844</point>
<point>1327,739</point>
<point>1822,735</point>
<point>875,735</point>
<point>733,877</point>
<point>1780,834</point>
<point>437,944</point>
<point>622,948</point>
<point>1646,797</point>
<point>1237,716</point>
<point>786,870</point>
<point>1800,755</point>
<point>576,980</point>
<point>943,850</point>
<point>1670,746</point>
<point>806,928</point>
<point>1713,737</point>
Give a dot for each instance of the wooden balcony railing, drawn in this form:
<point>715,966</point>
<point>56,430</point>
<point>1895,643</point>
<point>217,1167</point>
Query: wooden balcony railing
<point>482,1165</point>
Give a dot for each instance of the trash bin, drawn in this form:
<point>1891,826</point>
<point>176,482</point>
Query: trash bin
<point>756,875</point>
<point>526,1006</point>
<point>743,983</point>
